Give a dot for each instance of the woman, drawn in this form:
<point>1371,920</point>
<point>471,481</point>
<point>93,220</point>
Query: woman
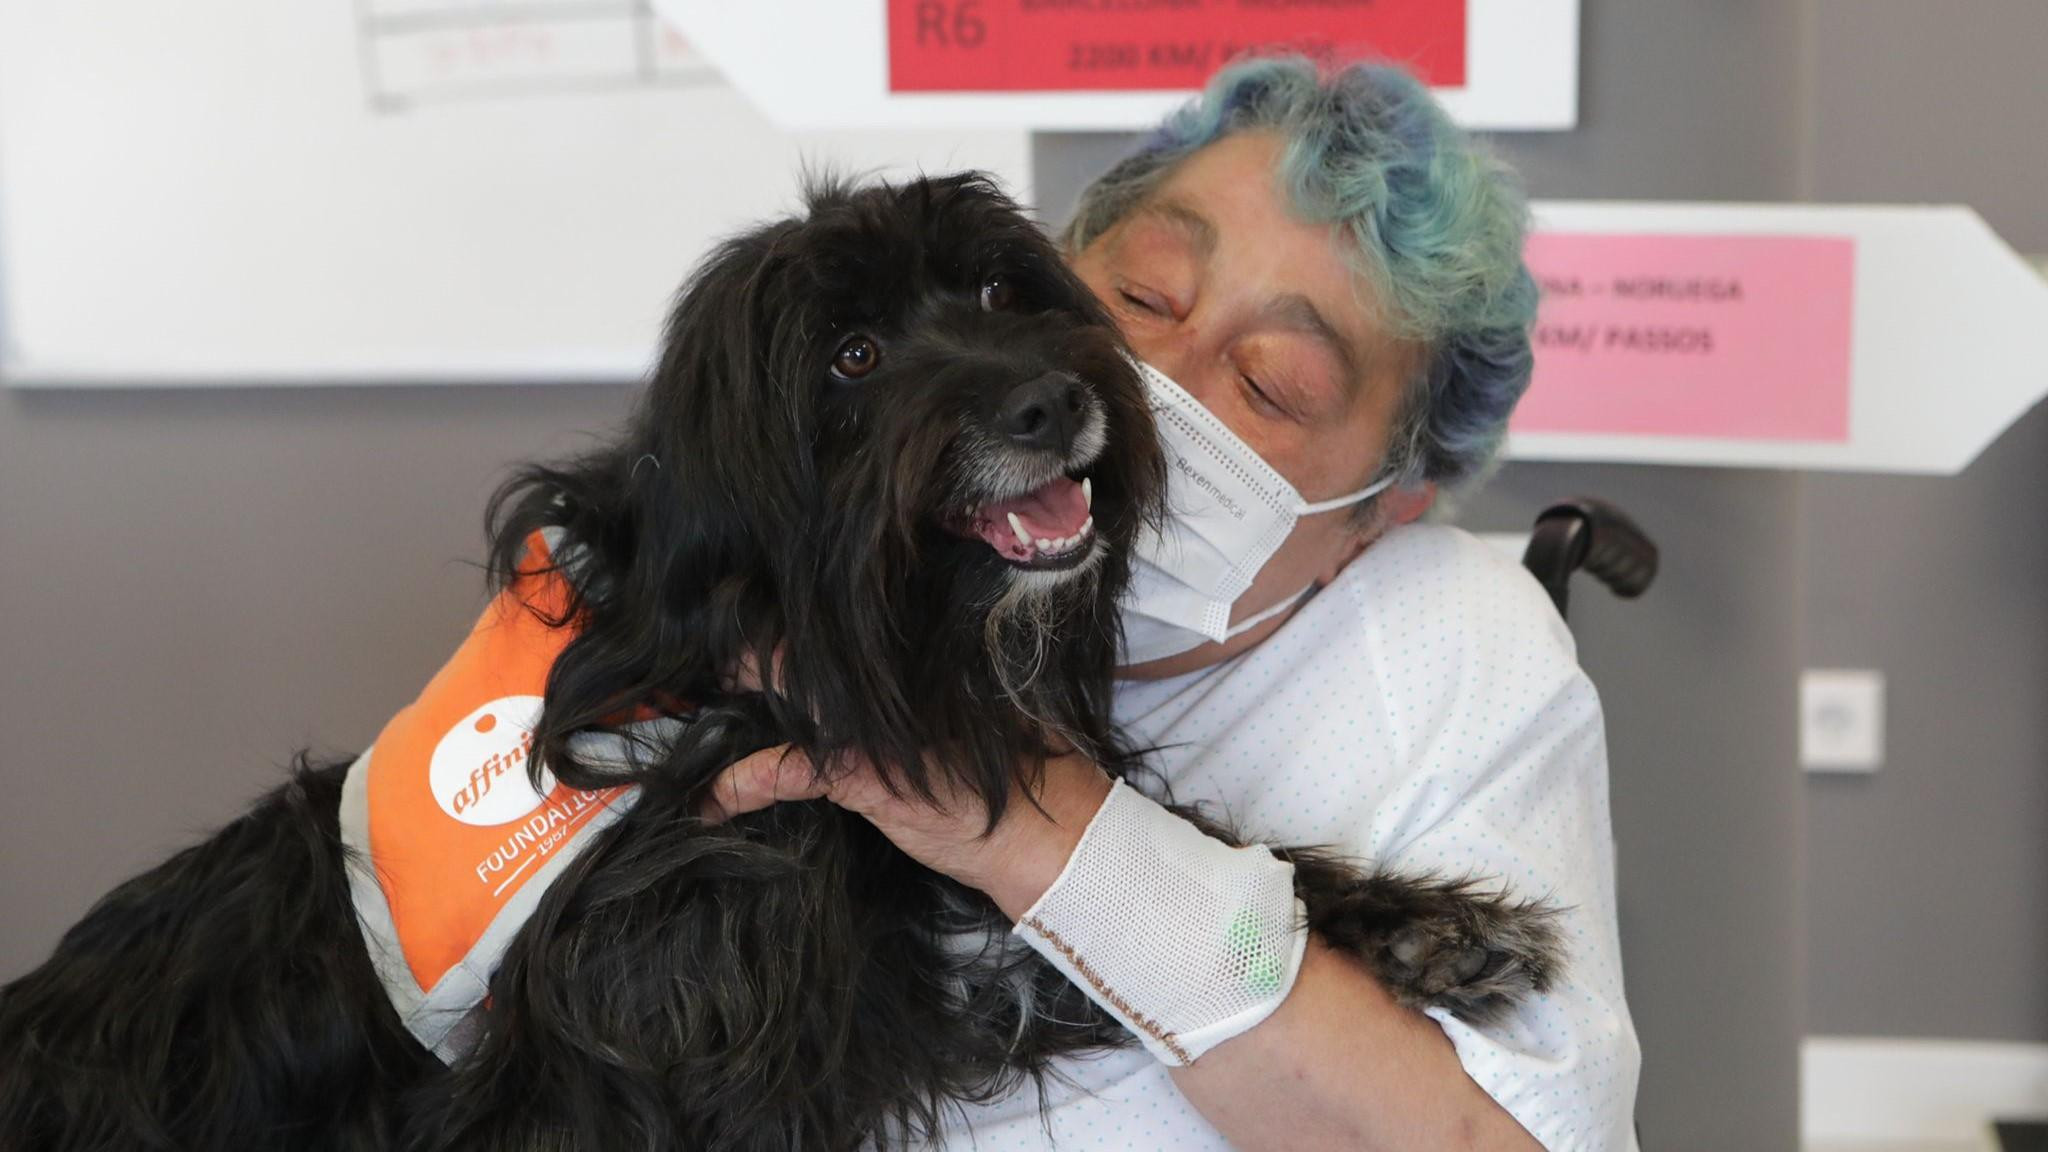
<point>1332,271</point>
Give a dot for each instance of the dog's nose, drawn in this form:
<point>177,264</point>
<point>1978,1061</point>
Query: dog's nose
<point>1044,413</point>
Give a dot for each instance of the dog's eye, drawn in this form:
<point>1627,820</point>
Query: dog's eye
<point>856,358</point>
<point>997,293</point>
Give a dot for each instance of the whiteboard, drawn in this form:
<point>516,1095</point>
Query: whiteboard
<point>282,191</point>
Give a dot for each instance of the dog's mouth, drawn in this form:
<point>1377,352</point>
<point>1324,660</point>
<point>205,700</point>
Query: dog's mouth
<point>1051,527</point>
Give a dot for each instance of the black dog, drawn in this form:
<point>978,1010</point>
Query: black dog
<point>849,407</point>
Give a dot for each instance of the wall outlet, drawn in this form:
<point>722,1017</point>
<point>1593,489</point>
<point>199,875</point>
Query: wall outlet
<point>1841,720</point>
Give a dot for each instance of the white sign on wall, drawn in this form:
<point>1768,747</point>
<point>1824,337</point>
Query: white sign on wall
<point>1896,339</point>
<point>1043,64</point>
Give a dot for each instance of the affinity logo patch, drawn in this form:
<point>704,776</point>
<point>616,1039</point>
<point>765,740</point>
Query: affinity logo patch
<point>478,773</point>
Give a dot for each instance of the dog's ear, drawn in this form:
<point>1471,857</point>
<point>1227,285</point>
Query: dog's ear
<point>728,413</point>
<point>697,564</point>
<point>688,523</point>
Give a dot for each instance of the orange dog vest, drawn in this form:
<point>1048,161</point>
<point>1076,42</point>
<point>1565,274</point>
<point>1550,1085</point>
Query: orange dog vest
<point>452,847</point>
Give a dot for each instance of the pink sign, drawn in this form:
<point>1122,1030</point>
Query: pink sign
<point>1061,45</point>
<point>1721,337</point>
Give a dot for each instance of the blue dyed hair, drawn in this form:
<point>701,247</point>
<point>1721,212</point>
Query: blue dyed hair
<point>1437,225</point>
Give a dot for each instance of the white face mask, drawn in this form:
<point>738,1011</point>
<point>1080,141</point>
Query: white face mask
<point>1227,512</point>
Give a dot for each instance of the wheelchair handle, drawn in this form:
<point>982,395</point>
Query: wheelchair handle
<point>1594,535</point>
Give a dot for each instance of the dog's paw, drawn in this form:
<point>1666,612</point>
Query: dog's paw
<point>1436,943</point>
<point>1477,955</point>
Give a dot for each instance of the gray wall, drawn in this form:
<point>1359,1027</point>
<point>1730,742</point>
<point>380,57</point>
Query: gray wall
<point>1913,101</point>
<point>195,583</point>
<point>1927,884</point>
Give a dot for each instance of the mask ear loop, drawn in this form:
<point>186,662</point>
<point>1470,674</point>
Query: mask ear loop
<point>1257,618</point>
<point>1365,493</point>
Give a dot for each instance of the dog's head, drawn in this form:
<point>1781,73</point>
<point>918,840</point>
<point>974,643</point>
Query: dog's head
<point>894,450</point>
<point>940,389</point>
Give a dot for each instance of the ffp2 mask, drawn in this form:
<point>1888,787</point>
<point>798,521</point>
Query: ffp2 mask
<point>1227,512</point>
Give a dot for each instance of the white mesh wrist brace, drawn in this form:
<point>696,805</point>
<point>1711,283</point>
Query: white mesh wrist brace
<point>1185,939</point>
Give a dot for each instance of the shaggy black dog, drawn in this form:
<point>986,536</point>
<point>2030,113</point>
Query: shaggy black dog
<point>820,481</point>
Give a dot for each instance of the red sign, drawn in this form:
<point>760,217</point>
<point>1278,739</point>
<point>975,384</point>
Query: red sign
<point>1128,45</point>
<point>1723,337</point>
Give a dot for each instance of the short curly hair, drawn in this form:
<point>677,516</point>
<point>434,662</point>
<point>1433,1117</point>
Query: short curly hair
<point>1438,222</point>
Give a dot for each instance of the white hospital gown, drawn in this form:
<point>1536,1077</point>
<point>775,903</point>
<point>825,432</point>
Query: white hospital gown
<point>1425,709</point>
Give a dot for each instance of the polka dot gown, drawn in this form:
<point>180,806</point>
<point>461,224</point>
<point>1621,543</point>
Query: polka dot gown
<point>1426,709</point>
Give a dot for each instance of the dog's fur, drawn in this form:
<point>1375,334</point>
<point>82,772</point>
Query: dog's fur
<point>787,979</point>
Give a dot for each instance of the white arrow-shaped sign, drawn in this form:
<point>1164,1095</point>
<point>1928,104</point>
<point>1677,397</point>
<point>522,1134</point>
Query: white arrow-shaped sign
<point>1894,339</point>
<point>1049,64</point>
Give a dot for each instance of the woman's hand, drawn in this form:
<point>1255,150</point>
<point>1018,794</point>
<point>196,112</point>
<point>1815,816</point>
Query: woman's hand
<point>1014,864</point>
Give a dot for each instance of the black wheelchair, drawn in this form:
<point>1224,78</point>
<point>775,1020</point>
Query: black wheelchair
<point>1595,536</point>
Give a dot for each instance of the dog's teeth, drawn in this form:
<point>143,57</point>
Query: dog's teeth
<point>1087,526</point>
<point>1017,526</point>
<point>1088,491</point>
<point>1045,545</point>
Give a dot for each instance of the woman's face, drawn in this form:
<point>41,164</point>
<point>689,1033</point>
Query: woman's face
<point>1256,314</point>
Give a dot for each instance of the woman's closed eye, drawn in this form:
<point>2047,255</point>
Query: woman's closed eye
<point>1274,387</point>
<point>1262,400</point>
<point>1138,298</point>
<point>1252,389</point>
